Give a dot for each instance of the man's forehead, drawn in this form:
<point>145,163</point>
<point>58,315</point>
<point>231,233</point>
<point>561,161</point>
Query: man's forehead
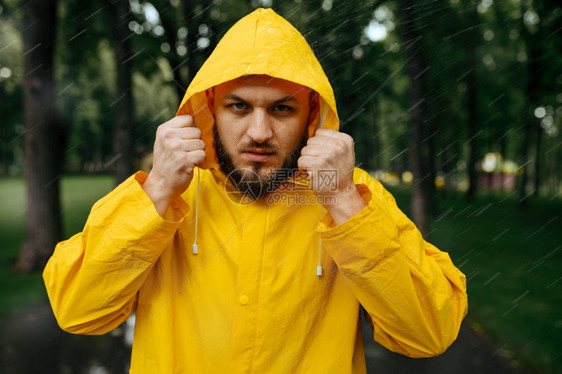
<point>265,81</point>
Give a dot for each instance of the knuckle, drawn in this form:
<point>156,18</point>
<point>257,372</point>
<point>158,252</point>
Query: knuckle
<point>348,139</point>
<point>198,156</point>
<point>166,133</point>
<point>196,132</point>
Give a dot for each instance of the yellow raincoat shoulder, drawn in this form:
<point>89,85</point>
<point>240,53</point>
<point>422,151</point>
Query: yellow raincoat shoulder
<point>250,300</point>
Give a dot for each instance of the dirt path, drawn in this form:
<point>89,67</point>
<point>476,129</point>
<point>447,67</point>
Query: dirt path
<point>32,343</point>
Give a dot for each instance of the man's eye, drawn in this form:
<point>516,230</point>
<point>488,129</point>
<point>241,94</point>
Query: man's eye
<point>282,108</point>
<point>239,106</point>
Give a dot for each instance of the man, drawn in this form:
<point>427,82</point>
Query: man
<point>256,283</point>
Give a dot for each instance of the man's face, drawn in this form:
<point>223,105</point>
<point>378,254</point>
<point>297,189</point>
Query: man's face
<point>260,126</point>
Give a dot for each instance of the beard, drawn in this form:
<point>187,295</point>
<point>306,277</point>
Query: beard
<point>248,182</point>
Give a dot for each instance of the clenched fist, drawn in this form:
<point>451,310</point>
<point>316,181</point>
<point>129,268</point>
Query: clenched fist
<point>178,148</point>
<point>331,152</point>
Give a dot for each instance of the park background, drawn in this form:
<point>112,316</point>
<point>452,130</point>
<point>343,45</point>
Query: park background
<point>455,105</point>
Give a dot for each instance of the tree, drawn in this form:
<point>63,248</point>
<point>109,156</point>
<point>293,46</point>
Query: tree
<point>119,15</point>
<point>44,136</point>
<point>472,106</point>
<point>416,67</point>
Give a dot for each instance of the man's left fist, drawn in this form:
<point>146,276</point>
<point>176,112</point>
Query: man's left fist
<point>329,159</point>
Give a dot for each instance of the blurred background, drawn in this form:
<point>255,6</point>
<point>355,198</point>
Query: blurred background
<point>454,105</point>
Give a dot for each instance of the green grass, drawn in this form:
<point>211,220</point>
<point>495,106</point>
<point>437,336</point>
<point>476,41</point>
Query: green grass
<point>512,259</point>
<point>17,291</point>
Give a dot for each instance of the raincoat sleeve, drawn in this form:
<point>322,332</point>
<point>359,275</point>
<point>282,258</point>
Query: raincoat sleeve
<point>414,296</point>
<point>92,279</point>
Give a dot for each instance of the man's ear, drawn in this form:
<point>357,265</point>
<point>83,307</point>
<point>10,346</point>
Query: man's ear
<point>314,105</point>
<point>211,99</point>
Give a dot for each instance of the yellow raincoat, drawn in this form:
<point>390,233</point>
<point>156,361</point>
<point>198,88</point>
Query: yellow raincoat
<point>251,301</point>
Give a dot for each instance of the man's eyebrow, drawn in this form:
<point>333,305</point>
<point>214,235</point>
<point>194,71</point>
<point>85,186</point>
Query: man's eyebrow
<point>285,99</point>
<point>235,97</point>
<point>231,96</point>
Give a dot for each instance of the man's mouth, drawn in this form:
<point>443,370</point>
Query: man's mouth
<point>258,154</point>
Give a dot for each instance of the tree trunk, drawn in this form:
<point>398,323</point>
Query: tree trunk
<point>538,153</point>
<point>44,137</point>
<point>120,16</point>
<point>472,128</point>
<point>472,106</point>
<point>416,65</point>
<point>535,70</point>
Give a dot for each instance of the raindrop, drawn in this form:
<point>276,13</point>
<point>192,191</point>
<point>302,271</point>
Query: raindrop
<point>203,29</point>
<point>175,2</point>
<point>327,5</point>
<point>513,34</point>
<point>559,98</point>
<point>132,25</point>
<point>215,14</point>
<point>487,3</point>
<point>266,3</point>
<point>521,57</point>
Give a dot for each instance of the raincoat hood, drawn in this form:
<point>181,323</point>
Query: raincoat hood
<point>262,43</point>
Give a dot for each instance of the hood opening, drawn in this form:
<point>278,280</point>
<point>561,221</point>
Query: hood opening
<point>261,43</point>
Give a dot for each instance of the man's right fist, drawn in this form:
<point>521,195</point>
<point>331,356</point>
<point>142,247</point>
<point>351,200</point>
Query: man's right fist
<point>178,148</point>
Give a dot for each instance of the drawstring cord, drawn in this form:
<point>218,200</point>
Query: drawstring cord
<point>319,267</point>
<point>195,251</point>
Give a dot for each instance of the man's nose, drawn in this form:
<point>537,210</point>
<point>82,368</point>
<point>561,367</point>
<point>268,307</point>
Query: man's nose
<point>260,129</point>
